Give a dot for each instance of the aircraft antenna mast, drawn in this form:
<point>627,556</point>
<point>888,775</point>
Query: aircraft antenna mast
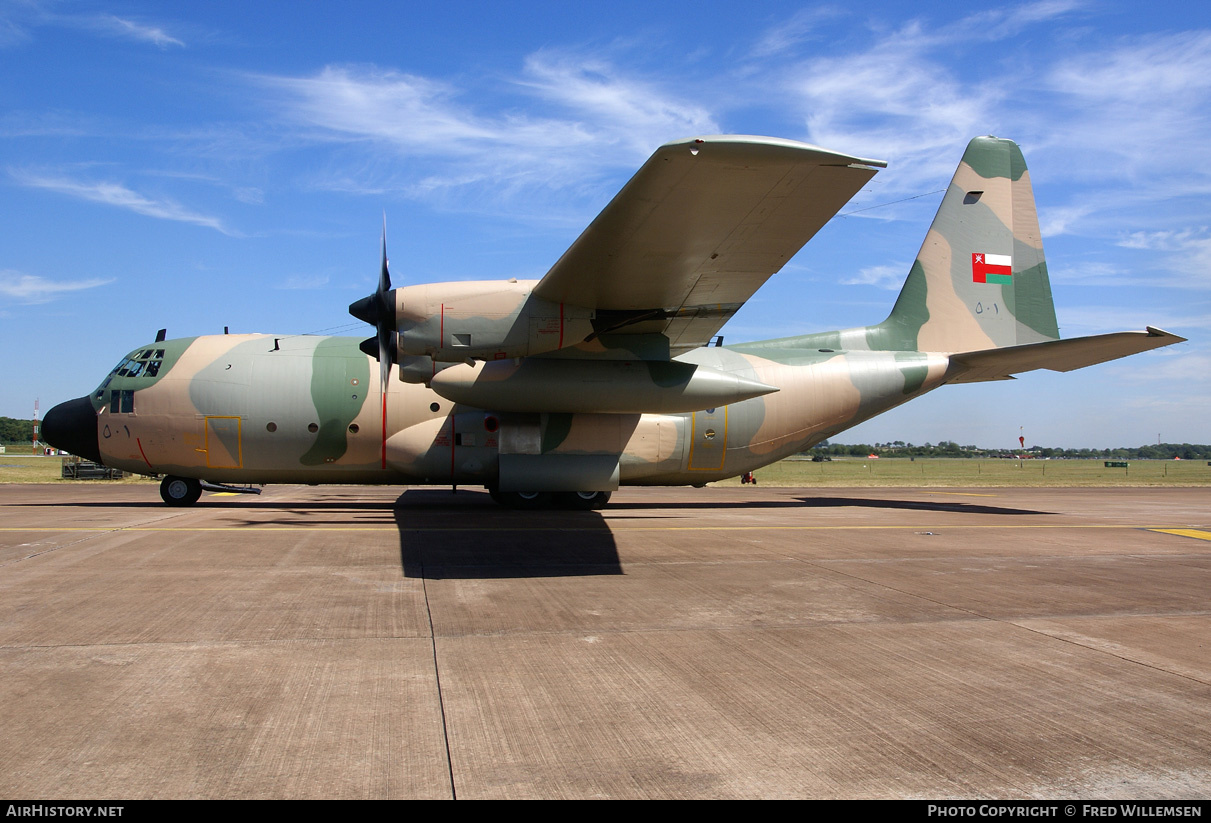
<point>36,433</point>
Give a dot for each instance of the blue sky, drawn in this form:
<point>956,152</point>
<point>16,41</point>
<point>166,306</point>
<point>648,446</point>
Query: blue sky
<point>195,166</point>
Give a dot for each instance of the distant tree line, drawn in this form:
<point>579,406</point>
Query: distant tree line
<point>949,448</point>
<point>16,431</point>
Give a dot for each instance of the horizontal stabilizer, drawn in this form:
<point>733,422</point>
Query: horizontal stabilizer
<point>1056,355</point>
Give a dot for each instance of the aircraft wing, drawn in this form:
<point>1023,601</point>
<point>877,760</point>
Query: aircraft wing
<point>697,230</point>
<point>1056,355</point>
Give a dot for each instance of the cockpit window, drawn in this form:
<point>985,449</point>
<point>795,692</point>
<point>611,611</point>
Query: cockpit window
<point>134,368</point>
<point>143,363</point>
<point>122,402</point>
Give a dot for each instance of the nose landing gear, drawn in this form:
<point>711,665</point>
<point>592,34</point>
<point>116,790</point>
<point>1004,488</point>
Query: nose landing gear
<point>180,491</point>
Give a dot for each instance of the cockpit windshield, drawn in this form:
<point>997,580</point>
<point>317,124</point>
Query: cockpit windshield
<point>141,363</point>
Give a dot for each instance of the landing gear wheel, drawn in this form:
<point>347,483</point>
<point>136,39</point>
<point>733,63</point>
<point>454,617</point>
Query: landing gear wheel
<point>180,491</point>
<point>581,501</point>
<point>524,501</point>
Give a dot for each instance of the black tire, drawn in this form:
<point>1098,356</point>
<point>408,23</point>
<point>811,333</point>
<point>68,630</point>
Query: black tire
<point>523,501</point>
<point>581,501</point>
<point>180,491</point>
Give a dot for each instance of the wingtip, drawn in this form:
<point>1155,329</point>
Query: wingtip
<point>1152,331</point>
<point>760,142</point>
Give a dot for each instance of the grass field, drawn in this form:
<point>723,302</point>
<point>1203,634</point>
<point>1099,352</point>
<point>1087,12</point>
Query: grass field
<point>18,468</point>
<point>975,472</point>
<point>36,468</point>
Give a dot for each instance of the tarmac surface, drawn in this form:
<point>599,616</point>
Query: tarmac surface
<point>721,642</point>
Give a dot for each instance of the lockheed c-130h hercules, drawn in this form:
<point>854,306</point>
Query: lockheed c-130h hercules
<point>557,391</point>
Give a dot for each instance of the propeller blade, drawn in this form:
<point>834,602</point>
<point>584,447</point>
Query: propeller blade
<point>378,310</point>
<point>386,354</point>
<point>384,276</point>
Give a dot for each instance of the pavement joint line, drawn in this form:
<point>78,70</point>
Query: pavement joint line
<point>1107,652</point>
<point>437,677</point>
<point>974,614</point>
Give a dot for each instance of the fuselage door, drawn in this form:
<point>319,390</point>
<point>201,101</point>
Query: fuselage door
<point>708,439</point>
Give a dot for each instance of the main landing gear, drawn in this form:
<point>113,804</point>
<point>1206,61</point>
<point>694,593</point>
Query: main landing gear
<point>180,491</point>
<point>532,501</point>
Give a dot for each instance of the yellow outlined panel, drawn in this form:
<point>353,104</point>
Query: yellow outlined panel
<point>223,446</point>
<point>706,444</point>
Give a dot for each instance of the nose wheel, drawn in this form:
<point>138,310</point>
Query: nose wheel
<point>180,491</point>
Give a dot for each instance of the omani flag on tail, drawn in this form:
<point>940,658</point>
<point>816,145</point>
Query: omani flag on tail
<point>991,268</point>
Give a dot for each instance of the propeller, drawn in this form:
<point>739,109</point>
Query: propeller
<point>378,310</point>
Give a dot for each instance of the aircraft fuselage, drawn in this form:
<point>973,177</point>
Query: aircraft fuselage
<point>259,409</point>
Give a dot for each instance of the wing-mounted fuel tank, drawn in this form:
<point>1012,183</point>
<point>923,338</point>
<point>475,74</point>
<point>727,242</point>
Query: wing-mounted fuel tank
<point>486,320</point>
<point>601,386</point>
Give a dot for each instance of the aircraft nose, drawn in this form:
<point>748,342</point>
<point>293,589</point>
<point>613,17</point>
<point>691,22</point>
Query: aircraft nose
<point>72,426</point>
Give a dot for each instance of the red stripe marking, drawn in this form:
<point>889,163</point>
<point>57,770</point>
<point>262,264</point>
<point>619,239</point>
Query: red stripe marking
<point>145,460</point>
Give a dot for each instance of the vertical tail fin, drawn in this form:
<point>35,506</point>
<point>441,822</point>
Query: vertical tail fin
<point>980,280</point>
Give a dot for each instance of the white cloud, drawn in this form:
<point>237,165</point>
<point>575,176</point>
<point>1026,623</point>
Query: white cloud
<point>1187,367</point>
<point>1187,252</point>
<point>249,194</point>
<point>11,33</point>
<point>589,118</point>
<point>622,109</point>
<point>413,113</point>
<point>787,34</point>
<point>1141,105</point>
<point>30,288</point>
<point>1169,240</point>
<point>19,18</point>
<point>601,109</point>
<point>890,278</point>
<point>115,194</point>
<point>131,30</point>
<point>895,102</point>
<point>1060,220</point>
<point>1085,319</point>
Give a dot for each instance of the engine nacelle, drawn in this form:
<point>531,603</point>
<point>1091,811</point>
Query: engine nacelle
<point>419,368</point>
<point>485,320</point>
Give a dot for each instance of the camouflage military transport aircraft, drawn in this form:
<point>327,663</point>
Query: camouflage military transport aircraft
<point>557,391</point>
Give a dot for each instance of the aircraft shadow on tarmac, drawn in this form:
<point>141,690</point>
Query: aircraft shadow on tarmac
<point>444,536</point>
<point>919,505</point>
<point>468,536</point>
